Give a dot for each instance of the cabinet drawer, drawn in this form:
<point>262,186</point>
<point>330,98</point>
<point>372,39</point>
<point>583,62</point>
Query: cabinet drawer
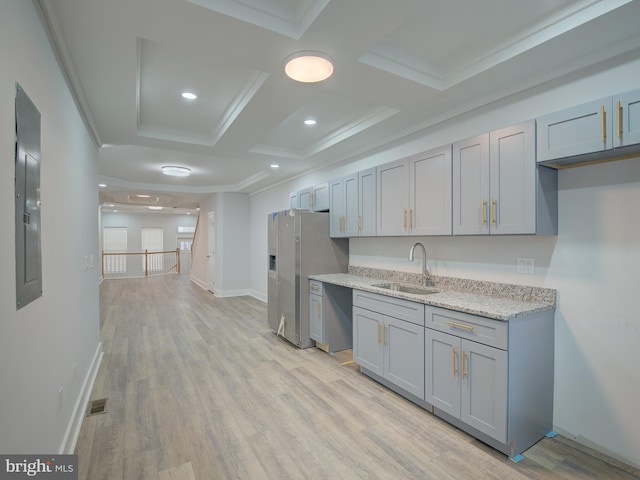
<point>393,307</point>
<point>315,287</point>
<point>478,329</point>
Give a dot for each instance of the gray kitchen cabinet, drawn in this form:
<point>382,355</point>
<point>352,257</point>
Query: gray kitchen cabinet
<point>393,198</point>
<point>330,311</point>
<point>388,340</point>
<point>293,200</point>
<point>468,381</point>
<point>578,130</point>
<point>627,119</point>
<point>491,378</point>
<point>314,199</point>
<point>320,197</point>
<point>498,189</point>
<point>337,213</point>
<point>414,195</point>
<point>595,131</point>
<point>367,193</point>
<point>471,186</point>
<point>353,204</point>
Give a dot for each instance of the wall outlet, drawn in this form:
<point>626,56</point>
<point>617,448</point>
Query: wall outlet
<point>526,265</point>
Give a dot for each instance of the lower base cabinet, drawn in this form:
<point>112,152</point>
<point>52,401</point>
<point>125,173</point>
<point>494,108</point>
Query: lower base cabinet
<point>468,381</point>
<point>390,347</point>
<point>330,316</point>
<point>490,378</point>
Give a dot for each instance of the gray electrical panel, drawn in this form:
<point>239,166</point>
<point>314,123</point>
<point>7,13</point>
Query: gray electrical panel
<point>27,185</point>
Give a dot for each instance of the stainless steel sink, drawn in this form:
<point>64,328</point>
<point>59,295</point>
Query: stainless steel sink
<point>398,287</point>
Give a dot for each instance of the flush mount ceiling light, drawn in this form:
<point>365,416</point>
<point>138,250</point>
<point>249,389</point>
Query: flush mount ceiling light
<point>274,165</point>
<point>308,67</point>
<point>310,121</point>
<point>176,171</point>
<point>189,95</point>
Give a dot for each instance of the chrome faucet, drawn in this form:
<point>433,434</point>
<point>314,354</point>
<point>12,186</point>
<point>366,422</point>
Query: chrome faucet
<point>426,276</point>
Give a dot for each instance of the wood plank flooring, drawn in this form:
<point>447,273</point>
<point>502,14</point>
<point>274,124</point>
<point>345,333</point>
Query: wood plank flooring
<point>199,388</point>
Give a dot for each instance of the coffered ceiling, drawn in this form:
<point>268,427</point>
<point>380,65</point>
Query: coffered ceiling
<point>400,66</point>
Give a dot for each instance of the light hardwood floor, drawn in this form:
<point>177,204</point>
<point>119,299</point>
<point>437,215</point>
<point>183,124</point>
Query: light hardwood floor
<point>199,388</point>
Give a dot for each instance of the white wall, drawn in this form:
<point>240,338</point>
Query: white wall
<point>232,245</point>
<point>41,343</point>
<point>135,222</point>
<point>593,262</point>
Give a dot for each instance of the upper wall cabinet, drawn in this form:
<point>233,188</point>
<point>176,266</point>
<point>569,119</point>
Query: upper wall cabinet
<point>352,202</point>
<point>497,187</point>
<point>590,132</point>
<point>314,199</point>
<point>414,195</point>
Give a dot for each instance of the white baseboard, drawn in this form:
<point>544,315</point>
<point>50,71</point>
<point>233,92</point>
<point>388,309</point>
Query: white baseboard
<point>231,293</point>
<point>200,283</point>
<point>258,296</point>
<point>70,439</point>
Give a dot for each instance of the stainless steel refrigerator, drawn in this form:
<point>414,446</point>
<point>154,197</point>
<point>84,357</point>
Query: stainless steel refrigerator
<point>299,245</point>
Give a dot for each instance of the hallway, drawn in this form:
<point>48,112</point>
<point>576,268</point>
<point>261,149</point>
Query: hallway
<point>199,388</point>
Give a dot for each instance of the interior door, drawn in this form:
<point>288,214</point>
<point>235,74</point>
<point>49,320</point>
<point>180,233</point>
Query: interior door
<point>211,250</point>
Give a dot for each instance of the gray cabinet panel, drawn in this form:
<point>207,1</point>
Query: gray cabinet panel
<point>320,197</point>
<point>471,186</point>
<point>430,192</point>
<point>393,198</point>
<point>627,119</point>
<point>316,318</point>
<point>368,349</point>
<point>484,389</point>
<point>404,355</point>
<point>574,131</point>
<point>513,179</point>
<point>442,366</point>
<point>351,205</point>
<point>367,193</point>
<point>336,208</point>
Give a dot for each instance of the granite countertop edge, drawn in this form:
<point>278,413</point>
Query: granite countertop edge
<point>491,306</point>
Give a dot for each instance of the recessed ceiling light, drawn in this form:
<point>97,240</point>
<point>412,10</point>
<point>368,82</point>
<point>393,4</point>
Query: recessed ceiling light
<point>308,67</point>
<point>310,121</point>
<point>142,195</point>
<point>102,185</point>
<point>154,207</point>
<point>274,165</point>
<point>189,95</point>
<point>176,171</point>
<point>110,205</point>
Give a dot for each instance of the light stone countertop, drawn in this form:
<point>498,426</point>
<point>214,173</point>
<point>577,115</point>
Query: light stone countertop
<point>492,305</point>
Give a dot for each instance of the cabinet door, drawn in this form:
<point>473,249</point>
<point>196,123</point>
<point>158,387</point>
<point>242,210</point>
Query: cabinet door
<point>627,119</point>
<point>367,340</point>
<point>305,199</point>
<point>484,389</point>
<point>586,128</point>
<point>393,198</point>
<point>316,330</point>
<point>442,371</point>
<point>512,205</point>
<point>336,208</point>
<point>351,205</point>
<point>471,186</point>
<point>293,200</point>
<point>367,203</point>
<point>430,192</point>
<point>404,355</point>
<point>320,197</point>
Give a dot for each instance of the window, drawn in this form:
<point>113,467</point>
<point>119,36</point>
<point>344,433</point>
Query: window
<point>152,242</point>
<point>186,229</point>
<point>114,239</point>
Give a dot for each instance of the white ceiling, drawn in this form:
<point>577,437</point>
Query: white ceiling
<point>400,66</point>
